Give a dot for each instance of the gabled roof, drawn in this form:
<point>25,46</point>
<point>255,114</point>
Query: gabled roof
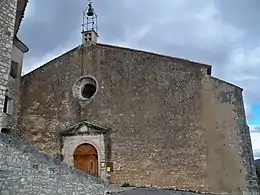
<point>119,48</point>
<point>84,128</point>
<point>209,67</point>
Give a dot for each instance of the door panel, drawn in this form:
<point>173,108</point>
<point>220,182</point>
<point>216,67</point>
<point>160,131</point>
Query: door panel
<point>86,159</point>
<point>91,165</point>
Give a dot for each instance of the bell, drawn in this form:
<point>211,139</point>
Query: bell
<point>90,10</point>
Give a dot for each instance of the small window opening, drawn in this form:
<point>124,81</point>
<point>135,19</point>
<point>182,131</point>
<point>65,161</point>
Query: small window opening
<point>8,105</point>
<point>88,90</point>
<point>5,130</point>
<point>14,69</point>
<point>209,71</point>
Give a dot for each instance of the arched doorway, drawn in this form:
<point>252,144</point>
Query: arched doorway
<point>86,159</point>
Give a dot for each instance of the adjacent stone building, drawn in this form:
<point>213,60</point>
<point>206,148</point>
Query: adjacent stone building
<point>11,62</point>
<point>147,119</point>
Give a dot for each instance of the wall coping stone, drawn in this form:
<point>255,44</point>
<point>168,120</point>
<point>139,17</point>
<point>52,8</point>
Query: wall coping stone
<point>19,145</point>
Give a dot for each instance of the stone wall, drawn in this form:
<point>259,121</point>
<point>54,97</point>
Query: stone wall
<point>226,137</point>
<point>237,131</point>
<point>24,170</point>
<point>257,165</point>
<point>10,121</point>
<point>7,24</point>
<point>167,128</point>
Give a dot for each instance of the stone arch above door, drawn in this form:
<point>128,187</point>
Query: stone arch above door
<point>85,133</point>
<point>85,149</point>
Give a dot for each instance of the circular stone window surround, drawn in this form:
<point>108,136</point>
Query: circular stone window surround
<point>79,86</point>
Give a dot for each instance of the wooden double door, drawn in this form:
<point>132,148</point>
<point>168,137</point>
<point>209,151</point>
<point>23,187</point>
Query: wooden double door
<point>86,159</point>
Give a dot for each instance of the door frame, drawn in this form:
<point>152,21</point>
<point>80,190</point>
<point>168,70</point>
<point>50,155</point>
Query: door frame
<point>71,143</point>
<point>86,132</point>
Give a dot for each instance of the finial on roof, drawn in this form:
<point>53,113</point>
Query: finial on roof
<point>89,26</point>
<point>90,9</point>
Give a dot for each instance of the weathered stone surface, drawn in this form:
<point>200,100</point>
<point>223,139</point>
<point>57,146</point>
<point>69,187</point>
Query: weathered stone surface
<point>13,91</point>
<point>7,25</point>
<point>226,134</point>
<point>24,170</point>
<point>230,97</point>
<point>17,49</point>
<point>172,124</point>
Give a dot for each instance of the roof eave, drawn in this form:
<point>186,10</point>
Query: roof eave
<point>20,45</point>
<point>21,5</point>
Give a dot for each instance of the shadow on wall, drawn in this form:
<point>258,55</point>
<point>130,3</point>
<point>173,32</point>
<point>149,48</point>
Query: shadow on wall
<point>6,131</point>
<point>257,165</point>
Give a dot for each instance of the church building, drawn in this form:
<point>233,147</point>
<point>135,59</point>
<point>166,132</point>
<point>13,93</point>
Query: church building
<point>136,118</point>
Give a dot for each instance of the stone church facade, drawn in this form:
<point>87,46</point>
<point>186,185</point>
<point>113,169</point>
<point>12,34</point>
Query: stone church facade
<point>147,119</point>
<point>151,119</point>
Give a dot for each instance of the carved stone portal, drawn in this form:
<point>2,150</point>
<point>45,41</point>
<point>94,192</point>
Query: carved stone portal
<point>86,133</point>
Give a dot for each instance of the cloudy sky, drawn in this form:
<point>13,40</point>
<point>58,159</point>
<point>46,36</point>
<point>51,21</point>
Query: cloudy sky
<point>224,34</point>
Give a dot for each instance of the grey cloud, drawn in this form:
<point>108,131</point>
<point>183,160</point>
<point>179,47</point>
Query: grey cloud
<point>173,31</point>
<point>255,130</point>
<point>186,48</point>
<point>50,27</point>
<point>244,16</point>
<point>241,14</point>
<point>257,154</point>
<point>55,22</point>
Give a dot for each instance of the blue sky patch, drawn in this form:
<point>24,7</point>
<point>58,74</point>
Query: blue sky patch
<point>255,118</point>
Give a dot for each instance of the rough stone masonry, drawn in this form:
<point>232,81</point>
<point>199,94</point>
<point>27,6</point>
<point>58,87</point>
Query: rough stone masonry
<point>7,25</point>
<point>25,170</point>
<point>169,123</point>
